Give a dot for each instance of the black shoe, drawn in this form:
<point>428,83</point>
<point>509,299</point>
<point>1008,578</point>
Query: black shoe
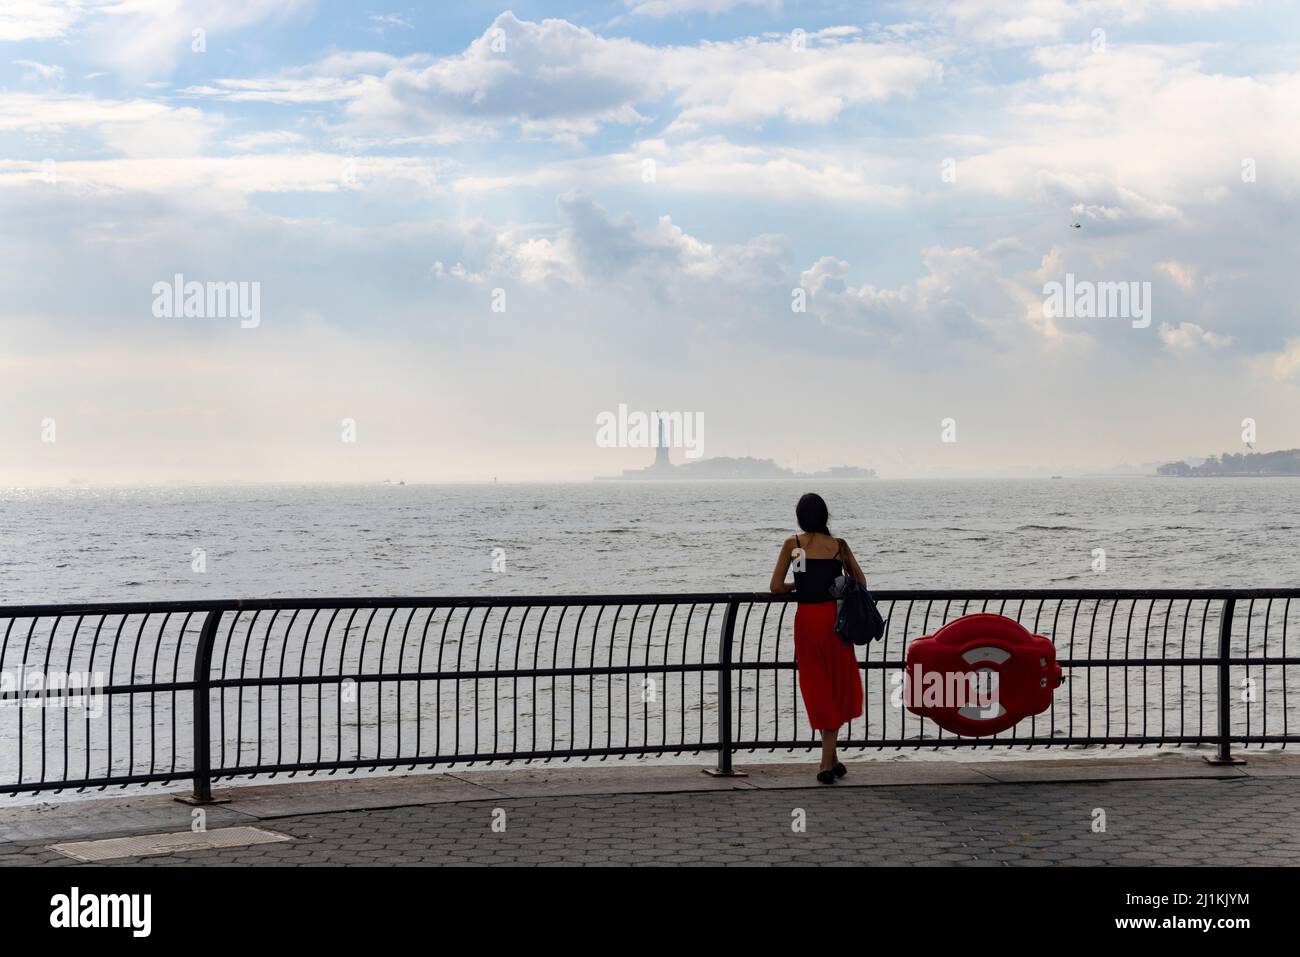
<point>839,770</point>
<point>826,777</point>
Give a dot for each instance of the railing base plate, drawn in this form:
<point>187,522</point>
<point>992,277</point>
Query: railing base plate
<point>198,802</point>
<point>1219,762</point>
<point>733,773</point>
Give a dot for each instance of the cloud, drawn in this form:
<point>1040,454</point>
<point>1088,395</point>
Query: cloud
<point>135,127</point>
<point>289,89</point>
<point>265,139</point>
<point>606,303</point>
<point>1103,137</point>
<point>1030,22</point>
<point>1189,337</point>
<point>965,299</point>
<point>714,166</point>
<point>1098,136</point>
<point>1285,365</point>
<point>139,38</point>
<point>669,8</point>
<point>147,38</point>
<point>38,19</point>
<point>41,74</point>
<point>284,172</point>
<point>1183,274</point>
<point>383,21</point>
<point>592,249</point>
<point>546,77</point>
<point>602,246</point>
<point>751,81</point>
<point>555,79</point>
<point>338,77</point>
<point>519,160</point>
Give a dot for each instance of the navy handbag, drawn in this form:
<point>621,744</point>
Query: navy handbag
<point>857,619</point>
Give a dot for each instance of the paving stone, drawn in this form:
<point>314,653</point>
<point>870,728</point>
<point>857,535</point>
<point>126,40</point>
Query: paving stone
<point>1160,822</point>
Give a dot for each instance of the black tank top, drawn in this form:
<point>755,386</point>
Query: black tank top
<point>813,585</point>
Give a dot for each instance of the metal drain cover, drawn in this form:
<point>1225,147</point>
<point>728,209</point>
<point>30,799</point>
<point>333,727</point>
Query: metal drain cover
<point>147,845</point>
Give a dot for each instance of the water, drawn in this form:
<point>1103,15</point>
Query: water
<point>382,540</point>
<point>138,544</point>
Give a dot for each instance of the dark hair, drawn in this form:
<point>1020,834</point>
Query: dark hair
<point>812,513</point>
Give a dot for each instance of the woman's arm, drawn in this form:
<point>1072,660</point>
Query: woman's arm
<point>852,562</point>
<point>779,585</point>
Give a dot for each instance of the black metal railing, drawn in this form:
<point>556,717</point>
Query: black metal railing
<point>119,694</point>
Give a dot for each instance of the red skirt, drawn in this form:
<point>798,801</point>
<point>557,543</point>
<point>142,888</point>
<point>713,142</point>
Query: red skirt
<point>829,677</point>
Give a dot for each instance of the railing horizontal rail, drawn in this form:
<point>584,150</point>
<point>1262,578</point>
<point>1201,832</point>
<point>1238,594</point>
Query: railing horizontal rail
<point>148,692</point>
<point>631,598</point>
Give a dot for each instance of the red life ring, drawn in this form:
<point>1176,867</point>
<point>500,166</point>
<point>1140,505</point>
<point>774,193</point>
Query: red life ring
<point>980,674</point>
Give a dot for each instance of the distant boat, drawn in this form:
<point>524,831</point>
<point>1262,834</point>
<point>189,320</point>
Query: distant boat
<point>1056,476</point>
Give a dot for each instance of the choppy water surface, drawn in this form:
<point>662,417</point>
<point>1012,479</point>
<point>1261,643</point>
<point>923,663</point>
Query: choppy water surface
<point>129,544</point>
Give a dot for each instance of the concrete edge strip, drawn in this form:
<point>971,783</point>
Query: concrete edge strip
<point>152,845</point>
<point>748,787</point>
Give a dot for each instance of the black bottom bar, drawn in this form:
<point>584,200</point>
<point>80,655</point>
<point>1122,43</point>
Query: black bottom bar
<point>919,907</point>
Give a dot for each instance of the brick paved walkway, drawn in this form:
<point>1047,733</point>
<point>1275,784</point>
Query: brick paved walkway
<point>1245,821</point>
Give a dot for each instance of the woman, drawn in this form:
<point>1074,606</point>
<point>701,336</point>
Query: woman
<point>829,679</point>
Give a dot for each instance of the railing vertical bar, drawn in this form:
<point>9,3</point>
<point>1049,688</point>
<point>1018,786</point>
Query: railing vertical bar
<point>302,670</point>
<point>663,709</point>
<point>555,691</point>
<point>401,666</point>
<point>1225,692</point>
<point>1263,678</point>
<point>610,682</point>
<point>320,689</point>
<point>202,717</point>
<point>724,688</point>
<point>45,670</point>
<point>627,681</point>
<point>176,666</point>
<point>1286,613</point>
<point>704,645</point>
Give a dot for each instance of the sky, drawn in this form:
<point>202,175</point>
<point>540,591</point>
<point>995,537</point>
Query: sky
<point>464,231</point>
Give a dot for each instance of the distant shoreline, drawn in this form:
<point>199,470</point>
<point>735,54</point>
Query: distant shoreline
<point>419,483</point>
<point>1284,463</point>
